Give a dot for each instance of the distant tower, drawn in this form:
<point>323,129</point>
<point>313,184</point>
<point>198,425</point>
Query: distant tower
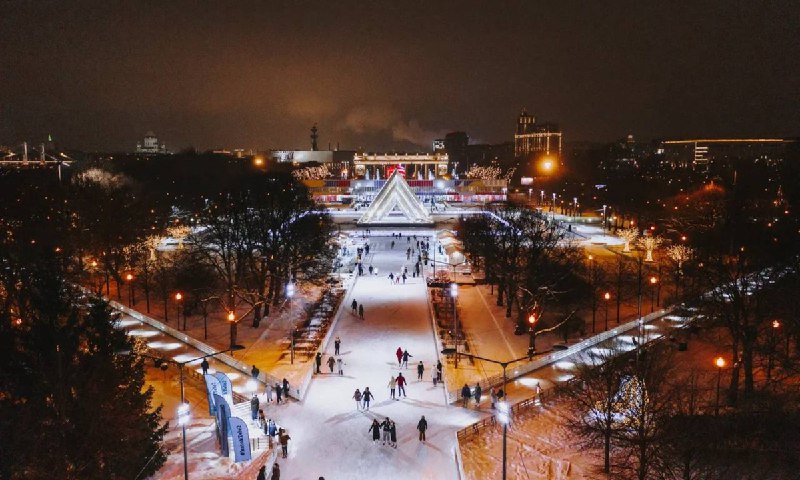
<point>314,137</point>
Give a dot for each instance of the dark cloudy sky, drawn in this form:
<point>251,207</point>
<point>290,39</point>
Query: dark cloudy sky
<point>391,75</point>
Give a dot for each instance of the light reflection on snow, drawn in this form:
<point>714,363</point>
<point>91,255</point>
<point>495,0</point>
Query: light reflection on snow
<point>128,322</point>
<point>565,378</point>
<point>564,365</point>
<point>185,358</point>
<point>164,345</point>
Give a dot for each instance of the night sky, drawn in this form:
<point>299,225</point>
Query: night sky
<point>393,75</point>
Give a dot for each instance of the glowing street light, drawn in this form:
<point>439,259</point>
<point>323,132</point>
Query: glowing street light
<point>131,299</point>
<point>454,296</point>
<point>178,298</point>
<point>653,283</point>
<point>289,295</point>
<point>532,319</point>
<point>607,297</point>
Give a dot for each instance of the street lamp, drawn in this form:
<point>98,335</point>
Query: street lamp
<point>653,282</point>
<point>454,296</point>
<point>532,319</point>
<point>503,412</point>
<point>594,294</point>
<point>720,363</point>
<point>232,321</point>
<point>776,324</point>
<point>541,201</point>
<point>178,298</point>
<point>607,297</point>
<point>289,295</point>
<point>131,300</point>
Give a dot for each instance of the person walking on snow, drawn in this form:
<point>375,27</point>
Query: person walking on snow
<point>392,385</point>
<point>399,354</point>
<point>204,366</point>
<point>278,394</point>
<point>367,396</point>
<point>319,362</point>
<point>405,358</point>
<point>331,362</point>
<point>393,434</point>
<point>336,344</point>
<point>422,426</point>
<point>339,364</point>
<point>375,428</point>
<point>361,311</point>
<point>354,305</point>
<point>466,394</point>
<point>357,398</point>
<point>420,370</point>
<point>401,384</point>
<point>254,407</point>
<point>477,395</point>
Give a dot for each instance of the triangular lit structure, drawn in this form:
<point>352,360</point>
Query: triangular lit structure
<point>396,204</point>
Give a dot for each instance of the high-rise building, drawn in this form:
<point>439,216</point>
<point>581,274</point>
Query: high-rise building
<point>533,138</point>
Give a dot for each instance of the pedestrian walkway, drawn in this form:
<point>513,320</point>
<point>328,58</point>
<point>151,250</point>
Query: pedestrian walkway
<point>329,435</point>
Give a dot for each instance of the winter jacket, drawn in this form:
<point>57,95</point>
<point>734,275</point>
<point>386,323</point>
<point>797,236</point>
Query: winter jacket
<point>422,425</point>
<point>357,396</point>
<point>392,382</point>
<point>367,396</point>
<point>375,428</point>
<point>401,381</point>
<point>393,432</point>
<point>465,392</point>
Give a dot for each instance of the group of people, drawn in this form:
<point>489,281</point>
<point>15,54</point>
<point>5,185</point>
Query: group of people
<point>386,431</point>
<point>358,309</point>
<point>363,398</point>
<point>333,361</point>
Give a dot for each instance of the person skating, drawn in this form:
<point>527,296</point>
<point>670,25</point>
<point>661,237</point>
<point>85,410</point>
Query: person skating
<point>422,426</point>
<point>375,428</point>
<point>361,311</point>
<point>268,392</point>
<point>401,384</point>
<point>357,397</point>
<point>204,366</point>
<point>404,278</point>
<point>367,397</point>
<point>254,407</point>
<point>493,397</point>
<point>331,363</point>
<point>399,354</point>
<point>262,473</point>
<point>391,277</point>
<point>286,389</point>
<point>319,362</point>
<point>478,392</point>
<point>276,472</point>
<point>439,371</point>
<point>336,344</point>
<point>392,386</point>
<point>284,439</point>
<point>262,420</point>
<point>255,371</point>
<point>339,364</point>
<point>405,358</point>
<point>355,306</point>
<point>466,394</point>
<point>393,433</point>
<point>278,394</point>
<point>420,370</point>
<point>386,428</point>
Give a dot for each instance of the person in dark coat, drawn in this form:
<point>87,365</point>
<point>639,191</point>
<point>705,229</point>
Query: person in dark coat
<point>255,371</point>
<point>422,426</point>
<point>262,473</point>
<point>420,370</point>
<point>331,362</point>
<point>478,393</point>
<point>204,366</point>
<point>284,439</point>
<point>354,305</point>
<point>375,428</point>
<point>386,428</point>
<point>466,394</point>
<point>254,407</point>
<point>392,434</point>
<point>367,397</point>
<point>399,354</point>
<point>361,311</point>
<point>276,472</point>
<point>286,388</point>
<point>357,396</point>
<point>405,358</point>
<point>336,344</point>
<point>278,394</point>
<point>439,371</point>
<point>318,361</point>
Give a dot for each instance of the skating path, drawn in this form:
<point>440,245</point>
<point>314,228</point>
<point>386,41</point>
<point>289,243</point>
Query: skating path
<point>329,436</point>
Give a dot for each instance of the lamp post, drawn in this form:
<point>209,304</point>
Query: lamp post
<point>232,321</point>
<point>532,319</point>
<point>184,412</point>
<point>541,200</point>
<point>653,283</point>
<point>553,207</point>
<point>129,278</point>
<point>454,296</point>
<point>179,298</point>
<point>289,295</point>
<point>776,324</point>
<point>594,294</point>
<point>607,297</point>
<point>605,222</point>
<point>720,363</point>
<point>503,412</point>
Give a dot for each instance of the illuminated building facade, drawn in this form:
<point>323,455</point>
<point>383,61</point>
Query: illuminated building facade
<point>534,138</point>
<point>700,154</point>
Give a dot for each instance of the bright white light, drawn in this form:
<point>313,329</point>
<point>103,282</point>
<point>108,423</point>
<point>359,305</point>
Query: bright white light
<point>185,358</point>
<point>143,333</point>
<point>290,289</point>
<point>503,413</point>
<point>565,365</point>
<point>252,385</point>
<point>164,345</point>
<point>184,414</point>
<point>128,322</point>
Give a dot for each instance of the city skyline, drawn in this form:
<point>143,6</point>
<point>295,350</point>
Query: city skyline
<point>392,77</point>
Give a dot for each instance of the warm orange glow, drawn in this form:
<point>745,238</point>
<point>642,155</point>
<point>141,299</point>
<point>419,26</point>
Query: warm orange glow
<point>532,318</point>
<point>776,324</point>
<point>607,296</point>
<point>719,362</point>
<point>129,277</point>
<point>653,280</point>
<point>683,237</point>
<point>258,161</point>
<point>178,296</point>
<point>231,316</point>
<point>591,257</point>
<point>94,263</point>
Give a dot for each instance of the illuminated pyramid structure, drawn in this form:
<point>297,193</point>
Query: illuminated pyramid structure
<point>396,204</point>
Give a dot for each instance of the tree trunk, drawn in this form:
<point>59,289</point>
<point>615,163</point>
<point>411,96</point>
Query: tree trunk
<point>747,364</point>
<point>500,291</point>
<point>733,389</point>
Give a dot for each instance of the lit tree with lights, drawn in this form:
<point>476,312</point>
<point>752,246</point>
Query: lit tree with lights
<point>629,235</point>
<point>650,243</point>
<point>679,254</point>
